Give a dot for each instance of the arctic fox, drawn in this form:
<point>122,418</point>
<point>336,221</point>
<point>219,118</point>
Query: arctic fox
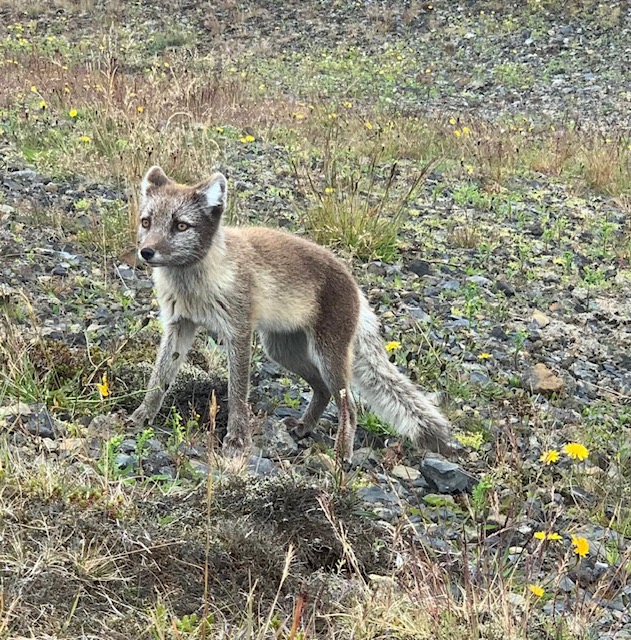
<point>301,300</point>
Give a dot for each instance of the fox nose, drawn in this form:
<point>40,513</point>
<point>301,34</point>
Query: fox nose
<point>147,253</point>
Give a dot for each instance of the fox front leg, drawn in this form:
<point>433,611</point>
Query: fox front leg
<point>238,438</point>
<point>176,341</point>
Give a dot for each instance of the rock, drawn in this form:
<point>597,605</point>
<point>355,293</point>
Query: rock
<point>405,473</point>
<point>364,457</point>
<point>540,379</point>
<point>320,462</point>
<point>15,410</point>
<point>275,441</point>
<point>419,267</point>
<point>446,477</point>
<point>540,318</point>
<point>377,495</point>
<point>260,466</point>
<point>505,288</point>
<point>6,210</point>
<point>124,461</point>
<point>199,467</point>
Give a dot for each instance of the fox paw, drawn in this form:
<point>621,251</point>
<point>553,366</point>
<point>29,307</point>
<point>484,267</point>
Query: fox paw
<point>140,417</point>
<point>235,446</point>
<point>297,427</point>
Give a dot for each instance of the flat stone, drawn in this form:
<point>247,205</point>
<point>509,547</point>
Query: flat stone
<point>405,473</point>
<point>540,318</point>
<point>446,477</point>
<point>540,379</point>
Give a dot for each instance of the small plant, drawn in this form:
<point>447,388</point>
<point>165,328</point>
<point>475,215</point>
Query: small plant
<point>360,208</point>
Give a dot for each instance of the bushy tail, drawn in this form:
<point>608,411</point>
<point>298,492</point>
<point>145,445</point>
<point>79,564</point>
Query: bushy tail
<point>392,396</point>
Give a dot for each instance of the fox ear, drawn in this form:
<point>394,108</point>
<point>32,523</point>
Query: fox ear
<point>155,177</point>
<point>214,194</point>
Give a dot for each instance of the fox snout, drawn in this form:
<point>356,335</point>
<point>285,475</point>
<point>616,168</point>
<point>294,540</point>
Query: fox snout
<point>147,253</point>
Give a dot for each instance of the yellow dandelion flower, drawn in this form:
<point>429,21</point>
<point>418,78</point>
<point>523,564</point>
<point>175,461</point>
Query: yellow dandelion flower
<point>348,105</point>
<point>42,104</point>
<point>392,346</point>
<point>539,535</point>
<point>549,456</point>
<point>328,190</point>
<point>84,139</point>
<point>332,116</point>
<point>368,125</point>
<point>554,536</point>
<point>219,129</point>
<point>457,133</point>
<point>576,450</point>
<point>73,113</point>
<point>33,88</point>
<point>466,131</point>
<point>299,116</point>
<point>428,70</point>
<point>247,139</point>
<point>469,169</point>
<point>66,89</point>
<point>581,546</point>
<point>536,590</point>
<point>485,356</point>
<point>103,386</point>
<point>140,109</point>
<point>452,121</point>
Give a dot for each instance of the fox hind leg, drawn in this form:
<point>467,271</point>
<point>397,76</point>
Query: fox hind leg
<point>291,350</point>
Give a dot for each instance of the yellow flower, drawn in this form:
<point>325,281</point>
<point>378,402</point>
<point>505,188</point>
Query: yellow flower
<point>581,546</point>
<point>452,121</point>
<point>247,139</point>
<point>73,113</point>
<point>542,535</point>
<point>485,356</point>
<point>348,105</point>
<point>393,346</point>
<point>219,129</point>
<point>42,104</point>
<point>368,125</point>
<point>536,589</point>
<point>140,109</point>
<point>329,190</point>
<point>549,456</point>
<point>466,131</point>
<point>332,116</point>
<point>469,169</point>
<point>576,450</point>
<point>33,88</point>
<point>457,133</point>
<point>84,139</point>
<point>103,386</point>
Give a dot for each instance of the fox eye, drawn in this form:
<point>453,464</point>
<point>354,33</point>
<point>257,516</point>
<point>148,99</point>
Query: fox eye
<point>145,223</point>
<point>182,226</point>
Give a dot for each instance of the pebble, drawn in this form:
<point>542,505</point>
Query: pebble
<point>540,379</point>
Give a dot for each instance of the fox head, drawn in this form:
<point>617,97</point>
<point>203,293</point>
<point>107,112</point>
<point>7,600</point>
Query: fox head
<point>178,223</point>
